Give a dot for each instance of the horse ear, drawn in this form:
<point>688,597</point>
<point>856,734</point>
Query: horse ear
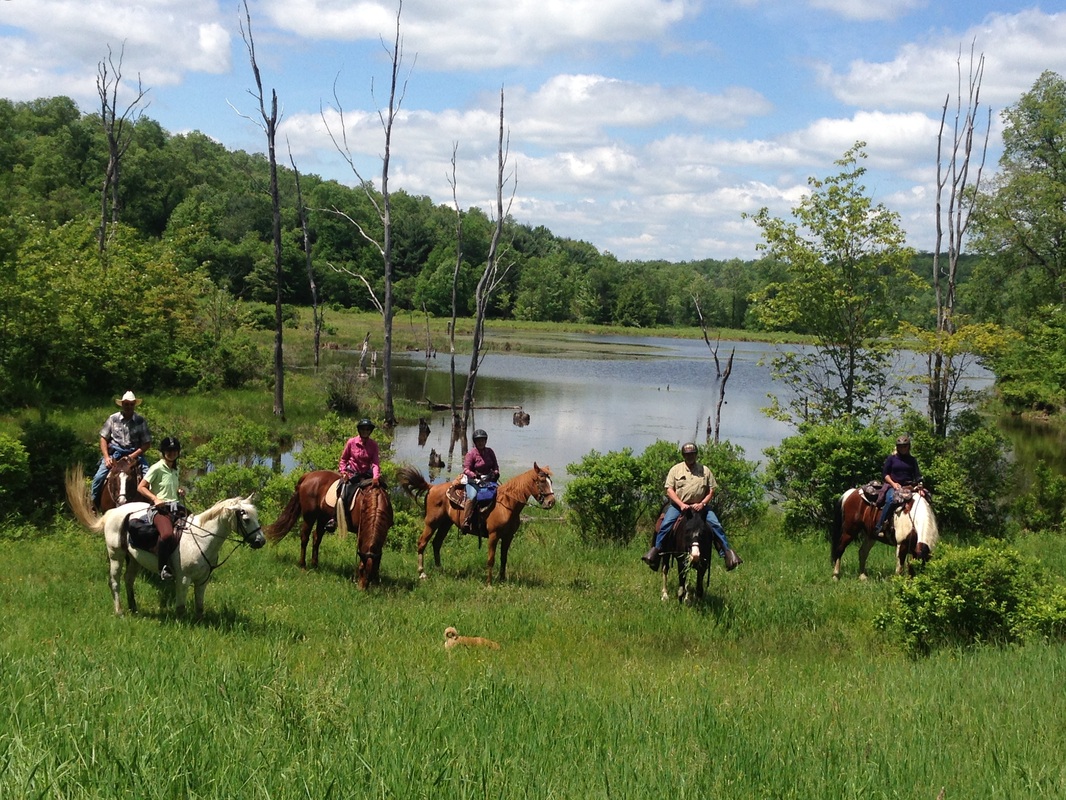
<point>535,467</point>
<point>249,499</point>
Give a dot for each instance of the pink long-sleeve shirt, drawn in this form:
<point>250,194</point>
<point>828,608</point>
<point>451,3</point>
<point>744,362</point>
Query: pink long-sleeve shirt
<point>359,457</point>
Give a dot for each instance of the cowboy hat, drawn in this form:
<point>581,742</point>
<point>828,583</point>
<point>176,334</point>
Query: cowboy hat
<point>128,397</point>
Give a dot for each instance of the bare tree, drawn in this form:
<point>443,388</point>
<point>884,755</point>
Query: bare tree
<point>270,126</point>
<point>946,355</point>
<point>494,271</point>
<point>316,309</point>
<point>118,134</point>
<point>722,376</point>
<point>382,205</point>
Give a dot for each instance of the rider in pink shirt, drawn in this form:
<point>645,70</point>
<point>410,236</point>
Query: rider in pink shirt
<point>359,462</point>
<point>360,458</point>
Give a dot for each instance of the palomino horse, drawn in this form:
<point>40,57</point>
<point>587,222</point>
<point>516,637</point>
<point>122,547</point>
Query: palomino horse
<point>913,532</point>
<point>315,505</point>
<point>690,544</point>
<point>502,521</point>
<point>198,550</point>
<point>371,516</point>
<point>120,485</point>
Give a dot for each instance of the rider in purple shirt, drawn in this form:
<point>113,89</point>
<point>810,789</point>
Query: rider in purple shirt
<point>479,465</point>
<point>900,469</point>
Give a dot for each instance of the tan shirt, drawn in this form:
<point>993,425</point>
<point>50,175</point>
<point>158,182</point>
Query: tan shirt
<point>690,485</point>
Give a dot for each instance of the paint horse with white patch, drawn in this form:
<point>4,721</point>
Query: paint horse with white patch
<point>913,529</point>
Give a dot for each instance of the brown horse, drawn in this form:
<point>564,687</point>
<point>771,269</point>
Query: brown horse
<point>913,530</point>
<point>120,485</point>
<point>502,521</point>
<point>309,504</point>
<point>371,517</point>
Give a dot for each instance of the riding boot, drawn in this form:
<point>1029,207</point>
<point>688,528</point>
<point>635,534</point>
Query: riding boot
<point>732,560</point>
<point>331,523</point>
<point>468,516</point>
<point>166,551</point>
<point>651,558</point>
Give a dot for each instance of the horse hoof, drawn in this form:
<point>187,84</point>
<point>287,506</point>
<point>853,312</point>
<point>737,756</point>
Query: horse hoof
<point>422,576</point>
<point>862,577</point>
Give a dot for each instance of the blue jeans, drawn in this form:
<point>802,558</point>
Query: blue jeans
<point>102,470</point>
<point>890,498</point>
<point>670,517</point>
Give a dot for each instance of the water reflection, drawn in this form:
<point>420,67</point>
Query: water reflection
<point>647,389</point>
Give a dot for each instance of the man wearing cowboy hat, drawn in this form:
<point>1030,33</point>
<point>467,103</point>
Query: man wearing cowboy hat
<point>124,434</point>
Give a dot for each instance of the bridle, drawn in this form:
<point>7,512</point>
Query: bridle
<point>199,532</point>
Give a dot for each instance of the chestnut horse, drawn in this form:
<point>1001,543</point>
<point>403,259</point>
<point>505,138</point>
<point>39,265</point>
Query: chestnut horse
<point>120,485</point>
<point>371,516</point>
<point>502,521</point>
<point>690,544</point>
<point>314,504</point>
<point>913,530</point>
<point>308,503</point>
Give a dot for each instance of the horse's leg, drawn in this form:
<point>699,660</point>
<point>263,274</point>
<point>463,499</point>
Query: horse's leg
<point>115,576</point>
<point>505,546</point>
<point>682,580</point>
<point>701,574</point>
<point>423,540</point>
<point>838,556</point>
<point>665,569</point>
<point>867,545</point>
<point>132,566</point>
<point>198,598</point>
<point>305,534</point>
<point>316,542</point>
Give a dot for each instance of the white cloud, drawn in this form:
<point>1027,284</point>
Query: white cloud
<point>1017,48</point>
<point>486,35</point>
<point>866,10</point>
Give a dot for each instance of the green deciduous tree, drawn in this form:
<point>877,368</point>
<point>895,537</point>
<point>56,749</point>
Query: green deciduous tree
<point>1021,219</point>
<point>842,258</point>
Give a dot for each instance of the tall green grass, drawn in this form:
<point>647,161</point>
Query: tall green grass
<point>297,685</point>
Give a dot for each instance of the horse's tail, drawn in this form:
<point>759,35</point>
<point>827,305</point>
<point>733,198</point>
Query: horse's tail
<point>412,481</point>
<point>836,528</point>
<point>78,498</point>
<point>284,523</point>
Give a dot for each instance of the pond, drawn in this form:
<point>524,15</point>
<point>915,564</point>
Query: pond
<point>622,392</point>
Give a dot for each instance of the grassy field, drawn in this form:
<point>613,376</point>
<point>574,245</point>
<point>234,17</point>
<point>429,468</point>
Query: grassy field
<point>297,685</point>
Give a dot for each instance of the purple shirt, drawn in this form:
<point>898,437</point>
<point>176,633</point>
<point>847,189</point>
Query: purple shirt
<point>902,469</point>
<point>481,462</point>
<point>360,456</point>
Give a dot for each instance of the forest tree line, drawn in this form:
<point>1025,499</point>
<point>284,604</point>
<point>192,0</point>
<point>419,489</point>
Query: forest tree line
<point>160,307</point>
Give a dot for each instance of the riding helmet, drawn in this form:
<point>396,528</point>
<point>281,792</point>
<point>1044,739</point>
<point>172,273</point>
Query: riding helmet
<point>480,434</point>
<point>365,423</point>
<point>689,447</point>
<point>169,443</point>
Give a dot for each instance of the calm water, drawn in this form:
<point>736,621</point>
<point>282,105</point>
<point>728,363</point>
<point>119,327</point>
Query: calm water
<point>644,389</point>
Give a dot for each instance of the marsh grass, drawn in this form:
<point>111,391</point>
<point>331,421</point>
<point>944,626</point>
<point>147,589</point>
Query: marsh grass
<point>297,685</point>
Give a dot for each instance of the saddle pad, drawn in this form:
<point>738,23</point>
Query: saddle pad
<point>331,493</point>
<point>456,495</point>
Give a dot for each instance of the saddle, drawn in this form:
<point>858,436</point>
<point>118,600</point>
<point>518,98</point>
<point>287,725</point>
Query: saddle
<point>873,493</point>
<point>139,531</point>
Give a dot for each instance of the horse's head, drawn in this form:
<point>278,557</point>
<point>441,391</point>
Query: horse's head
<point>246,520</point>
<point>688,532</point>
<point>543,492</point>
<point>122,479</point>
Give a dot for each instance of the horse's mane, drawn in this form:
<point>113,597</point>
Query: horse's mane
<point>925,522</point>
<point>220,507</point>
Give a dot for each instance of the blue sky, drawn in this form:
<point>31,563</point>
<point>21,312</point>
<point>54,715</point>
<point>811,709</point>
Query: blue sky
<point>645,127</point>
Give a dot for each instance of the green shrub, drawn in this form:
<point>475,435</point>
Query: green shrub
<point>978,595</point>
<point>51,449</point>
<point>606,496</point>
<point>1043,507</point>
<point>809,471</point>
<point>14,474</point>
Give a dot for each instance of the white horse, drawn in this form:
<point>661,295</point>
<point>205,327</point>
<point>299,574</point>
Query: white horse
<point>198,553</point>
